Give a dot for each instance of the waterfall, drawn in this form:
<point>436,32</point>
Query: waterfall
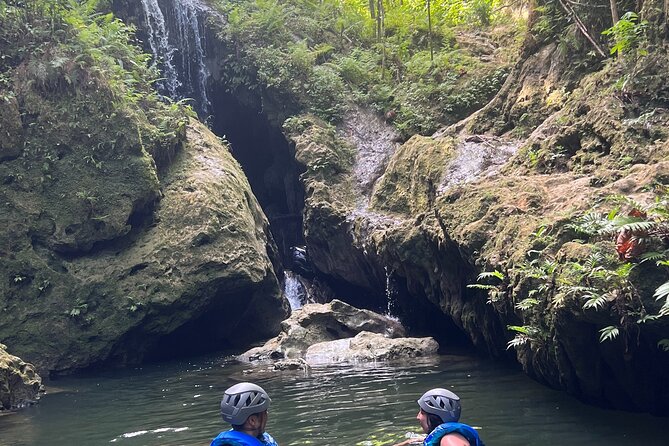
<point>161,49</point>
<point>176,41</point>
<point>293,290</point>
<point>390,293</point>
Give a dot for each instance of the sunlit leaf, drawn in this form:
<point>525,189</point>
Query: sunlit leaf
<point>608,333</point>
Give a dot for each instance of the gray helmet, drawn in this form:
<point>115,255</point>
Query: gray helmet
<point>441,402</point>
<point>243,400</point>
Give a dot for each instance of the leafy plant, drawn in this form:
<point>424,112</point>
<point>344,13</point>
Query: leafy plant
<point>495,292</point>
<point>626,34</point>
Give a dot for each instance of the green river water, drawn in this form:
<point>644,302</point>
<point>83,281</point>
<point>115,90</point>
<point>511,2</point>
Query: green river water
<point>176,403</point>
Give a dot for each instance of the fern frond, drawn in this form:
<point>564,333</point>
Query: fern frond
<point>662,292</point>
<point>481,286</point>
<point>648,317</point>
<point>490,274</point>
<point>595,301</point>
<point>640,226</point>
<point>526,304</point>
<point>608,333</point>
<point>653,256</point>
<point>518,341</point>
<point>524,329</point>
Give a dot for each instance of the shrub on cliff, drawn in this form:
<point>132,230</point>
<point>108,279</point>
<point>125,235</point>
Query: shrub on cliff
<point>317,57</point>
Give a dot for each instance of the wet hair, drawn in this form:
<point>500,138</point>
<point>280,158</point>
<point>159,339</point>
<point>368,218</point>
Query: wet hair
<point>432,420</point>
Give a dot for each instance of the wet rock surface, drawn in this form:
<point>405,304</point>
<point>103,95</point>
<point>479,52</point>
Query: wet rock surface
<point>314,323</point>
<point>366,346</point>
<point>20,385</point>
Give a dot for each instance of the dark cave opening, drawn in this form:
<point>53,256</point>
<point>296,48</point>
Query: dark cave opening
<point>423,318</point>
<point>268,162</point>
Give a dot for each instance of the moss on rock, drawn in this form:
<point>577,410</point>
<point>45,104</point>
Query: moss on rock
<point>409,183</point>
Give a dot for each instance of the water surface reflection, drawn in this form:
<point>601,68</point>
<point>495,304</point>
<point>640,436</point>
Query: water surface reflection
<point>367,404</point>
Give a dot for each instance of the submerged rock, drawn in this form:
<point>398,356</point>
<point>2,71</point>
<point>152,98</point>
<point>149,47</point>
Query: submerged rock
<point>19,383</point>
<point>314,323</point>
<point>366,346</point>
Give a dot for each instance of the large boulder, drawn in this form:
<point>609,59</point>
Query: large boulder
<point>194,275</point>
<point>366,346</point>
<point>316,323</point>
<point>19,384</point>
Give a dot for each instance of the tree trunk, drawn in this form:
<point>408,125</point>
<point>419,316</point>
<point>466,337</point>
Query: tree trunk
<point>581,26</point>
<point>371,9</point>
<point>614,12</point>
<point>381,20</point>
<point>429,30</point>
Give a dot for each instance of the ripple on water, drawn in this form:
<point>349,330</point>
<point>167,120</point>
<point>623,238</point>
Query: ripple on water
<point>336,405</point>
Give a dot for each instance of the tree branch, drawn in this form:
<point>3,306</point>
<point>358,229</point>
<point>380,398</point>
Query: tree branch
<point>581,27</point>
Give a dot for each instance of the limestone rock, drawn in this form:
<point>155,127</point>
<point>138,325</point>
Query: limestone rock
<point>194,275</point>
<point>435,236</point>
<point>367,346</point>
<point>19,384</point>
<point>316,323</point>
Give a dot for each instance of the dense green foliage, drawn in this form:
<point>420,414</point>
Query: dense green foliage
<point>71,70</point>
<point>321,56</point>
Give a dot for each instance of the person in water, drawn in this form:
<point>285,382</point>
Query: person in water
<point>438,416</point>
<point>244,406</point>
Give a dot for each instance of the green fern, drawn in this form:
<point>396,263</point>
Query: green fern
<point>609,333</point>
<point>491,274</point>
<point>639,226</point>
<point>662,292</point>
<point>526,304</point>
<point>518,341</point>
<point>481,286</point>
<point>595,301</point>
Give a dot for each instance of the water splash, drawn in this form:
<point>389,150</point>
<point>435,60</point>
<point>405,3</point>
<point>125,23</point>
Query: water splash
<point>175,36</point>
<point>293,290</point>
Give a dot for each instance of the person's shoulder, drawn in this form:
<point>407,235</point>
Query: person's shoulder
<point>453,439</point>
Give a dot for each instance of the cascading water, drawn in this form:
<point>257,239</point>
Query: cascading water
<point>390,293</point>
<point>161,49</point>
<point>177,43</point>
<point>293,290</point>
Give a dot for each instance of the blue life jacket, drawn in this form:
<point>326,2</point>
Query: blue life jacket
<point>453,428</point>
<point>237,438</point>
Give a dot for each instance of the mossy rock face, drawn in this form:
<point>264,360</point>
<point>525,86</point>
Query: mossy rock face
<point>200,276</point>
<point>19,383</point>
<point>330,201</point>
<point>518,223</point>
<point>410,180</point>
<point>11,136</point>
